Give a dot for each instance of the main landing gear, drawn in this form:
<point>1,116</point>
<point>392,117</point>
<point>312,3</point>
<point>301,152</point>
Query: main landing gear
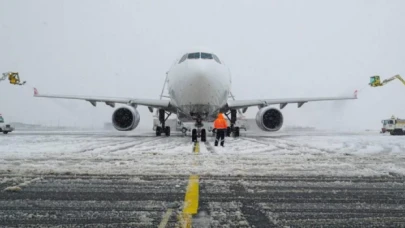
<point>162,119</point>
<point>232,129</point>
<point>199,132</point>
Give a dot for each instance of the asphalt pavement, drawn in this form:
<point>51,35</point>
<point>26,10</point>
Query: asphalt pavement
<point>69,200</point>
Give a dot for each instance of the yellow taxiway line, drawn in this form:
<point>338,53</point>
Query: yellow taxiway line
<point>191,199</point>
<point>192,195</point>
<point>196,148</point>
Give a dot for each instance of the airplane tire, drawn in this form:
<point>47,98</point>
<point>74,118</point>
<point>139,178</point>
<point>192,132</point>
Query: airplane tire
<point>167,131</point>
<point>5,132</point>
<point>158,131</point>
<point>184,131</point>
<point>194,135</point>
<point>237,132</point>
<point>203,135</point>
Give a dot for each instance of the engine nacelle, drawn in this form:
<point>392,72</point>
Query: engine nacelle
<point>125,118</point>
<point>269,119</point>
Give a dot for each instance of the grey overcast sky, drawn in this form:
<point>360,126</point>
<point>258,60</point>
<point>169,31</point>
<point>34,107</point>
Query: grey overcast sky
<point>275,49</point>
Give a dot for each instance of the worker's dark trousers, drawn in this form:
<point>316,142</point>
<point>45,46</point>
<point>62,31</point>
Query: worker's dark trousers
<point>220,136</point>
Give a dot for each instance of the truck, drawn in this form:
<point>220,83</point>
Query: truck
<point>4,127</point>
<point>395,126</point>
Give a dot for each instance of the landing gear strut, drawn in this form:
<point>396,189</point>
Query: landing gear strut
<point>162,119</point>
<point>232,128</point>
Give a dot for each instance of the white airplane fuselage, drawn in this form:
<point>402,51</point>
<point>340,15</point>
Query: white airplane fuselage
<point>199,88</point>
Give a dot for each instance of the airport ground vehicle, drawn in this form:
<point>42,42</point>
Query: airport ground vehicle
<point>13,77</point>
<point>376,82</point>
<point>394,126</point>
<point>4,127</point>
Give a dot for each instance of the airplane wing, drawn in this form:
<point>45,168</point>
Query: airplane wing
<point>243,104</point>
<point>111,101</point>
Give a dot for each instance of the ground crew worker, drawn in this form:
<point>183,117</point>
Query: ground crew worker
<point>221,126</point>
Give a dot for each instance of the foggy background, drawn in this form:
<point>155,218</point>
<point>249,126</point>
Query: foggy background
<point>274,49</point>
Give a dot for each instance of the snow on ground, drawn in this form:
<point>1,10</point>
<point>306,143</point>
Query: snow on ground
<point>285,153</point>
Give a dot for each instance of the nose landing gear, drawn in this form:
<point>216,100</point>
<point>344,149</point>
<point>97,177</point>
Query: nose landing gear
<point>199,132</point>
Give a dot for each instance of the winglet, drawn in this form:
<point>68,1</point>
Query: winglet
<point>355,94</point>
<point>35,92</point>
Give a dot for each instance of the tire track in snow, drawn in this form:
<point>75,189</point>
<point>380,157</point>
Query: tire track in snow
<point>91,148</point>
<point>166,144</point>
<point>134,144</point>
<point>291,146</point>
<point>209,147</point>
<point>266,144</point>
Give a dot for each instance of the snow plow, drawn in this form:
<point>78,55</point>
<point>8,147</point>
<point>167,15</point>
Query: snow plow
<point>13,77</point>
<point>394,126</point>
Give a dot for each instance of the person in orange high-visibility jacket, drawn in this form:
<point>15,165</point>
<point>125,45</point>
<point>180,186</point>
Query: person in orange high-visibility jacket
<point>221,126</point>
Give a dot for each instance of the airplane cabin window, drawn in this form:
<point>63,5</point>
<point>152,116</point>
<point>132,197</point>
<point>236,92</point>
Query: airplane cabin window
<point>183,58</point>
<point>206,55</point>
<point>216,58</point>
<point>194,55</point>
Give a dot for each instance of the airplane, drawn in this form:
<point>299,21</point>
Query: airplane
<point>199,85</point>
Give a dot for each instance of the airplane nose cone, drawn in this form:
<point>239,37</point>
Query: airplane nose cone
<point>199,74</point>
<point>200,82</point>
<point>204,84</point>
<point>198,70</point>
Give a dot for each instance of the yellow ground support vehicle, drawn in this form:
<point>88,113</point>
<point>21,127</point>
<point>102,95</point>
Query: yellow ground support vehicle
<point>375,80</point>
<point>13,77</point>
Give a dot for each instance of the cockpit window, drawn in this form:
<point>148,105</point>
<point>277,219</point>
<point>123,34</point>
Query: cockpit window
<point>194,55</point>
<point>216,59</point>
<point>183,58</point>
<point>206,55</point>
<point>198,55</point>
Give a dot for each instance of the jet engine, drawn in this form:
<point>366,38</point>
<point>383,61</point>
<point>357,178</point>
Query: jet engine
<point>269,119</point>
<point>125,118</point>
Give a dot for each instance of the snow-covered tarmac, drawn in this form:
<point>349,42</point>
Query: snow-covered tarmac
<point>283,153</point>
<point>113,179</point>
